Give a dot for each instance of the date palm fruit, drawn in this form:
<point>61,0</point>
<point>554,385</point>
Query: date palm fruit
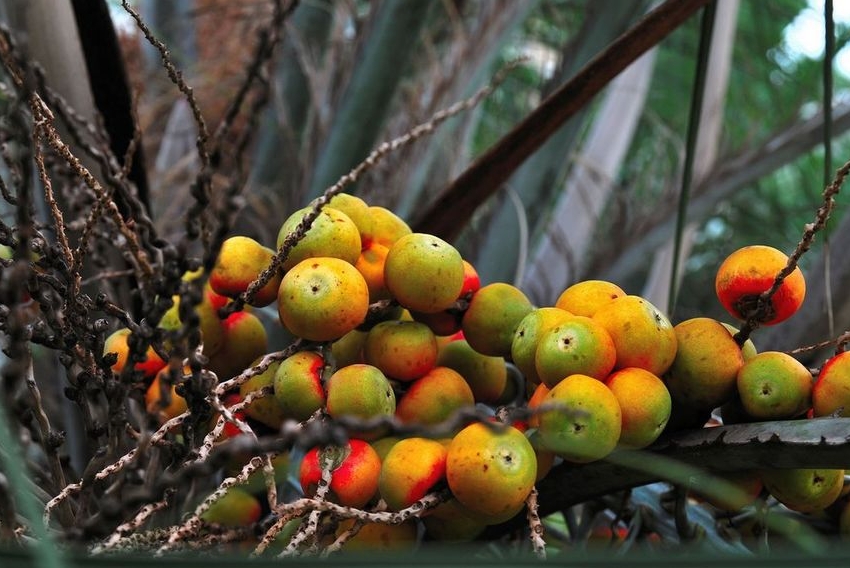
<point>355,469</point>
<point>403,350</point>
<point>704,371</point>
<point>645,405</point>
<point>360,391</point>
<point>265,409</point>
<point>387,227</point>
<point>424,273</point>
<point>322,299</point>
<point>492,318</point>
<point>410,470</point>
<point>236,508</point>
<point>448,322</point>
<point>643,336</point>
<point>164,402</point>
<point>752,270</point>
<point>586,297</point>
<point>358,211</point>
<point>332,234</point>
<point>380,537</point>
<point>831,391</point>
<point>298,388</point>
<point>527,336</point>
<point>576,345</point>
<point>435,397</point>
<point>245,340</point>
<point>774,386</point>
<point>116,343</point>
<point>491,471</point>
<point>487,376</point>
<point>585,422</point>
<point>240,261</point>
<point>370,264</point>
<point>804,490</point>
<point>452,522</point>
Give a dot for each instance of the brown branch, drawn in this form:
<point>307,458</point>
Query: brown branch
<point>451,211</point>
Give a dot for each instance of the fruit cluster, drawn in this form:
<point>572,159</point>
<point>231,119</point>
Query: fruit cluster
<point>397,324</point>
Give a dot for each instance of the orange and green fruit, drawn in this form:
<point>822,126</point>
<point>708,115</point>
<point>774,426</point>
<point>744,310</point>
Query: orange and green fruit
<point>645,405</point>
<point>358,211</point>
<point>527,336</point>
<point>164,402</point>
<point>387,227</point>
<point>831,391</point>
<point>804,490</point>
<point>377,537</point>
<point>642,334</point>
<point>494,313</point>
<point>705,369</point>
<point>332,234</point>
<point>265,409</point>
<point>322,299</point>
<point>411,469</point>
<point>360,391</point>
<point>403,350</point>
<point>424,273</point>
<point>212,331</point>
<point>774,386</point>
<point>355,470</point>
<point>577,345</point>
<point>240,261</point>
<point>245,340</point>
<point>748,349</point>
<point>298,388</point>
<point>752,270</point>
<point>236,508</point>
<point>586,297</point>
<point>585,422</point>
<point>370,264</point>
<point>435,397</point>
<point>490,470</point>
<point>487,376</point>
<point>117,342</point>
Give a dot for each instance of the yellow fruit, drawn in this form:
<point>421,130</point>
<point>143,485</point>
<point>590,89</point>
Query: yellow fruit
<point>424,273</point>
<point>586,297</point>
<point>332,234</point>
<point>645,405</point>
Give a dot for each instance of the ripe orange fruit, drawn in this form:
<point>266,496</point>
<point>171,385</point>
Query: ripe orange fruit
<point>356,469</point>
<point>774,386</point>
<point>645,405</point>
<point>751,270</point>
<point>155,397</point>
<point>387,227</point>
<point>586,297</point>
<point>831,392</point>
<point>240,260</point>
<point>410,470</point>
<point>403,350</point>
<point>117,343</point>
<point>585,425</point>
<point>642,334</point>
<point>491,471</point>
<point>370,264</point>
<point>322,299</point>
<point>435,397</point>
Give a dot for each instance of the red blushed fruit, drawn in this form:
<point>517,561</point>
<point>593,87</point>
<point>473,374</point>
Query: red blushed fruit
<point>471,280</point>
<point>230,429</point>
<point>410,470</point>
<point>117,343</point>
<point>355,473</point>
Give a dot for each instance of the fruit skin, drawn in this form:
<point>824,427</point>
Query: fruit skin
<point>804,490</point>
<point>643,336</point>
<point>586,297</point>
<point>751,270</point>
<point>356,469</point>
<point>348,349</point>
<point>577,345</point>
<point>212,331</point>
<point>332,234</point>
<point>154,397</point>
<point>235,508</point>
<point>527,336</point>
<point>452,522</point>
<point>774,386</point>
<point>360,391</point>
<point>424,273</point>
<point>491,472</point>
<point>645,405</point>
<point>748,349</point>
<point>240,261</point>
<point>704,371</point>
<point>387,227</point>
<point>403,350</point>
<point>380,537</point>
<point>448,322</point>
<point>265,409</point>
<point>831,391</point>
<point>435,397</point>
<point>585,425</point>
<point>358,211</point>
<point>116,343</point>
<point>487,376</point>
<point>298,389</point>
<point>245,340</point>
<point>371,264</point>
<point>410,470</point>
<point>493,315</point>
<point>322,299</point>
